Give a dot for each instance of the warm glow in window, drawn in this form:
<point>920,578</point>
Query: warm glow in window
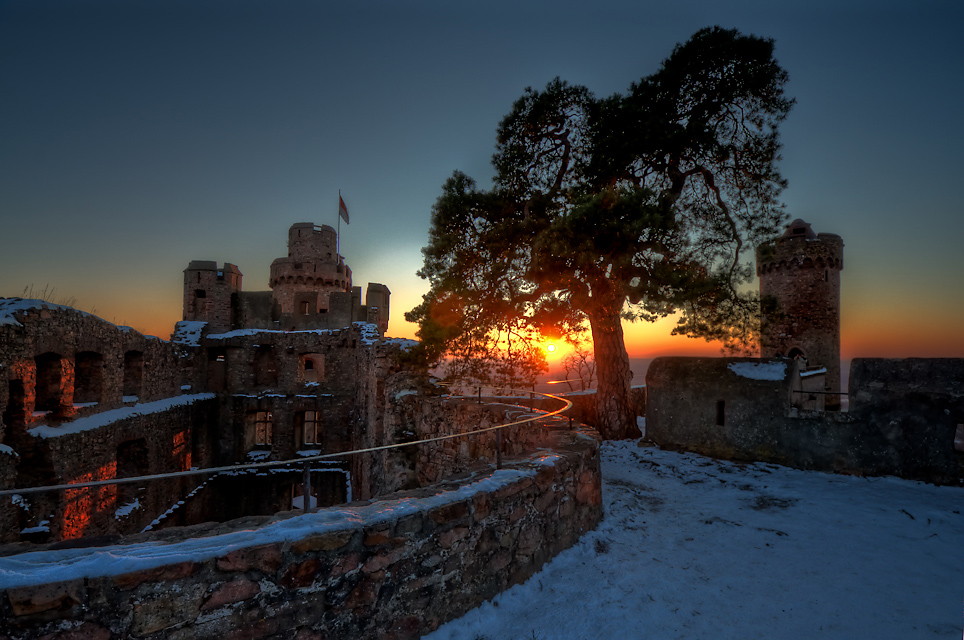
<point>311,429</point>
<point>262,428</point>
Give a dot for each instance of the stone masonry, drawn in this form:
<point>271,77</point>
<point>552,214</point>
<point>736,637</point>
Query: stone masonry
<point>800,293</point>
<point>394,568</point>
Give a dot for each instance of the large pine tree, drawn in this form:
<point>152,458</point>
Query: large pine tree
<point>634,206</point>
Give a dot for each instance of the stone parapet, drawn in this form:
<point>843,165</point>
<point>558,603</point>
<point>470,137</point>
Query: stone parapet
<point>397,567</point>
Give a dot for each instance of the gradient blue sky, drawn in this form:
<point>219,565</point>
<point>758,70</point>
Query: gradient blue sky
<point>137,136</point>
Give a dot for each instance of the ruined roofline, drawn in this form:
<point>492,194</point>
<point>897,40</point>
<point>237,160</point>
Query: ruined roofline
<point>11,308</point>
<point>211,265</point>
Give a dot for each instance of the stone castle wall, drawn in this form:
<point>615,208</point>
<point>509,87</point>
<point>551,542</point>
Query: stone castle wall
<point>113,444</point>
<point>57,363</point>
<point>397,567</point>
<point>902,420</point>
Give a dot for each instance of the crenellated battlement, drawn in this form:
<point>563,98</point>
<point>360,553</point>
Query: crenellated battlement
<point>311,288</point>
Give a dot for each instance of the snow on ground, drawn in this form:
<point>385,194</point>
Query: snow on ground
<point>692,547</point>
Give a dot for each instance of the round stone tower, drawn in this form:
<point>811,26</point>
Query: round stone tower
<point>800,294</point>
<point>302,282</point>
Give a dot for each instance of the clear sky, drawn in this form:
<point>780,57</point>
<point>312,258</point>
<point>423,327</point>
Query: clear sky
<point>138,136</point>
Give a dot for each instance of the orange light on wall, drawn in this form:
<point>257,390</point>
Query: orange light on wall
<point>80,506</point>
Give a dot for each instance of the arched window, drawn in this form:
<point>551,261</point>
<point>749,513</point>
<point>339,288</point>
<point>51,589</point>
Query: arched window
<point>49,387</point>
<point>133,374</point>
<point>88,377</point>
<point>314,367</point>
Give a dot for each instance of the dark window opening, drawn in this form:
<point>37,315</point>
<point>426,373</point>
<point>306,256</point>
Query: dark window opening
<point>796,353</point>
<point>309,365</point>
<point>799,231</point>
<point>310,428</point>
<point>200,293</point>
<point>826,276</point>
<point>304,308</point>
<point>133,373</point>
<point>720,413</point>
<point>49,376</point>
<point>88,377</point>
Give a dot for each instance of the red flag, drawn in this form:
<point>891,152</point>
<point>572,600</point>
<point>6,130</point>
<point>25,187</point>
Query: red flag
<point>342,209</point>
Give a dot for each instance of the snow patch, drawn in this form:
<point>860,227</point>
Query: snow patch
<point>238,333</point>
<point>43,527</point>
<point>127,509</point>
<point>4,449</point>
<point>405,392</point>
<point>759,370</point>
<point>188,332</point>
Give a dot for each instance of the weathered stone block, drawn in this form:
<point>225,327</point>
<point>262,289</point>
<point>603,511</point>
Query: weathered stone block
<point>166,610</point>
<point>448,538</point>
<point>59,596</point>
<point>301,574</point>
<point>128,581</point>
<point>449,513</point>
<point>229,592</point>
<point>326,542</point>
<point>264,558</point>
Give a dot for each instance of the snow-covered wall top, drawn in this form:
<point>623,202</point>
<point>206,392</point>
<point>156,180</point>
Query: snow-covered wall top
<point>9,307</point>
<point>108,417</point>
<point>759,370</point>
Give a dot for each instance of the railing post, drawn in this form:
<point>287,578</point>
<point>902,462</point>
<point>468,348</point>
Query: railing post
<point>306,487</point>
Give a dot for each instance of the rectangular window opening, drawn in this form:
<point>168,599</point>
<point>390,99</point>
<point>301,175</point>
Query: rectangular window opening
<point>720,413</point>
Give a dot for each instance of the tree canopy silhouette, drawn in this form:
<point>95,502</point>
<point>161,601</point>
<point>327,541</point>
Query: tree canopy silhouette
<point>634,206</point>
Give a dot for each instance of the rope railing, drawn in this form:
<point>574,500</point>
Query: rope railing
<point>281,463</point>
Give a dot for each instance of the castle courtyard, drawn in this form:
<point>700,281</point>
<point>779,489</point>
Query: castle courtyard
<point>692,547</point>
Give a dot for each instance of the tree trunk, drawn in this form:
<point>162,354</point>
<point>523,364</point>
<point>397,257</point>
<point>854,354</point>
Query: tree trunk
<point>615,416</point>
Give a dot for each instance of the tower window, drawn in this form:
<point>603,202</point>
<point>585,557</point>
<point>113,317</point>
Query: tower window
<point>826,275</point>
<point>720,413</point>
<point>200,293</point>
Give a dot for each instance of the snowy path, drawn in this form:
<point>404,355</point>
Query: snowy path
<point>696,548</point>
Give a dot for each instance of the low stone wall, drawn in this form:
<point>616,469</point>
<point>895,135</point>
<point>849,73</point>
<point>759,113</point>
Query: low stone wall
<point>902,419</point>
<point>396,567</point>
